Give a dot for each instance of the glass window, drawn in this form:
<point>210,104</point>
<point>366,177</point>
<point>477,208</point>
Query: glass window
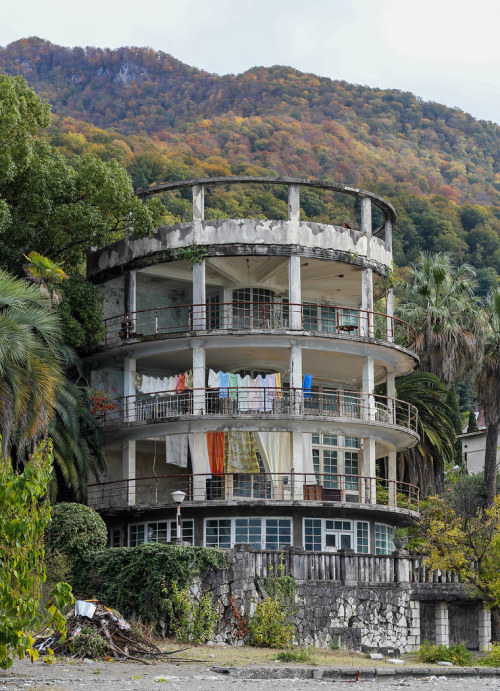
<point>157,532</point>
<point>363,537</point>
<point>136,535</point>
<point>312,534</point>
<point>351,466</point>
<point>278,533</point>
<point>115,537</point>
<point>248,530</point>
<point>383,539</point>
<point>187,529</point>
<point>352,442</point>
<point>345,542</point>
<point>218,533</point>
<point>253,308</point>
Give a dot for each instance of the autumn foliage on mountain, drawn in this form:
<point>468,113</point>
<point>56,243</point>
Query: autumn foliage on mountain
<point>165,120</point>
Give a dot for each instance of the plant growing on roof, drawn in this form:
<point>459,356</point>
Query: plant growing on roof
<point>193,253</point>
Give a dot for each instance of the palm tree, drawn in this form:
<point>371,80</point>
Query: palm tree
<point>439,302</point>
<point>423,465</point>
<point>75,434</point>
<point>30,368</point>
<point>488,391</point>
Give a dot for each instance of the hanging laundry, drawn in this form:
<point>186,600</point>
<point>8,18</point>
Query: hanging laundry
<point>307,385</point>
<point>271,387</point>
<point>240,455</point>
<point>243,393</point>
<point>264,399</point>
<point>176,449</point>
<point>253,394</point>
<point>189,379</point>
<point>215,447</point>
<point>233,385</point>
<point>213,379</point>
<point>278,385</point>
<point>205,462</point>
<point>223,384</point>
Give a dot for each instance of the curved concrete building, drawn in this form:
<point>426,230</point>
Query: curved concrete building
<point>249,368</point>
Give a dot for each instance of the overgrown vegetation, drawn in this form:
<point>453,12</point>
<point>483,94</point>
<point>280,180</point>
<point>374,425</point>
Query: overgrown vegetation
<point>272,623</point>
<point>24,514</point>
<point>190,620</point>
<point>76,531</point>
<point>133,579</point>
<point>457,654</point>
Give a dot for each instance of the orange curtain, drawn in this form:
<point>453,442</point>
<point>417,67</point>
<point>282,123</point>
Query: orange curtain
<point>215,446</point>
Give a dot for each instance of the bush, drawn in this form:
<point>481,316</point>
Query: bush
<point>458,654</point>
<point>294,656</point>
<point>270,626</point>
<point>492,659</point>
<point>75,531</point>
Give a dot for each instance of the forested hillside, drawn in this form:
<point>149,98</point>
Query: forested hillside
<point>166,120</point>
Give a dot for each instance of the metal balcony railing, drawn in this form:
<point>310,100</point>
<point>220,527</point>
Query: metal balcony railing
<point>284,487</point>
<point>278,402</point>
<point>332,320</point>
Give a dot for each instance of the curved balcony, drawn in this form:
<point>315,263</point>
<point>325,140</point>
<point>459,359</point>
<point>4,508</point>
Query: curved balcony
<point>154,492</point>
<point>242,404</point>
<point>326,320</point>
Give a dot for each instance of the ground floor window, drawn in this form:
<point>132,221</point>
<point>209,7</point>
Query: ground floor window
<point>159,531</point>
<point>383,539</point>
<point>321,534</point>
<point>260,533</point>
<point>115,537</point>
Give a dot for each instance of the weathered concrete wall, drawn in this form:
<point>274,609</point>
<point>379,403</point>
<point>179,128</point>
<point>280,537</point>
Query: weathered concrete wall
<point>231,232</point>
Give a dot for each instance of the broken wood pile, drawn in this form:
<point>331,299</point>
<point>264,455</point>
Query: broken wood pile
<point>94,630</point>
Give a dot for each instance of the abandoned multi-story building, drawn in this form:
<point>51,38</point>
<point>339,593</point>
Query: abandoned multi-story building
<point>248,368</point>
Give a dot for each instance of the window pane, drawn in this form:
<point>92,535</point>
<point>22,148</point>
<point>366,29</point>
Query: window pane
<point>362,537</point>
<point>278,533</point>
<point>218,532</point>
<point>312,534</point>
<point>248,530</point>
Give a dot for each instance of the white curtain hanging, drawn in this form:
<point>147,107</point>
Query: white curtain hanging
<point>307,459</point>
<point>176,446</point>
<point>205,453</point>
<point>275,449</point>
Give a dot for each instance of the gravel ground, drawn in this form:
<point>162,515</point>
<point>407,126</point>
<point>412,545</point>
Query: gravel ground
<point>62,676</point>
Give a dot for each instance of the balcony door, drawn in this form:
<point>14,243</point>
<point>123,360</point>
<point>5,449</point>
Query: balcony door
<point>253,308</point>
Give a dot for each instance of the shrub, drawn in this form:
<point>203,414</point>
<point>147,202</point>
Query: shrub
<point>294,656</point>
<point>270,626</point>
<point>458,654</point>
<point>492,659</point>
<point>75,531</point>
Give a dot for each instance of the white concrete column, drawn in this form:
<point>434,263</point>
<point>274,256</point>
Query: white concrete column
<point>227,309</point>
<point>389,308</point>
<point>199,297</point>
<point>391,395</point>
<point>295,293</point>
<point>132,300</point>
<point>297,466</point>
<point>296,379</point>
<point>293,214</point>
<point>129,471</point>
<point>366,317</point>
<point>198,203</point>
<point>369,486</point>
<point>392,476</point>
<point>199,465</point>
<point>388,233</point>
<point>368,411</point>
<point>129,391</point>
<point>366,215</point>
<point>442,628</point>
<point>484,630</point>
<point>199,381</point>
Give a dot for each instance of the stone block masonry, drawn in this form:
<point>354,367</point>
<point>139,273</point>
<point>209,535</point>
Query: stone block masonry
<point>353,608</point>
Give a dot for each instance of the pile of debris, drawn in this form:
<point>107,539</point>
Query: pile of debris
<point>94,630</point>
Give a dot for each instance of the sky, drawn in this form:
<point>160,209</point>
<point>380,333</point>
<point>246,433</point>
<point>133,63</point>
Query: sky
<point>441,50</point>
